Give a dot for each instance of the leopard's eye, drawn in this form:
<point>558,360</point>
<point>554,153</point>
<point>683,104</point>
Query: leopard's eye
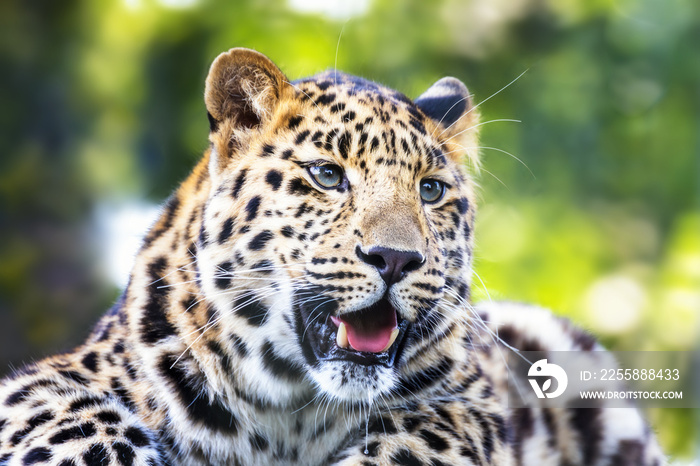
<point>431,190</point>
<point>327,176</point>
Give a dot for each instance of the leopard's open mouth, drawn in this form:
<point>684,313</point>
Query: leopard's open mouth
<point>369,336</point>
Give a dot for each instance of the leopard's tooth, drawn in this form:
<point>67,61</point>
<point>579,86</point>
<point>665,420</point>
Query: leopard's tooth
<point>342,338</point>
<point>394,334</point>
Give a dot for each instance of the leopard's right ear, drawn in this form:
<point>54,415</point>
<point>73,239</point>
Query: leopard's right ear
<point>243,86</point>
<point>243,90</point>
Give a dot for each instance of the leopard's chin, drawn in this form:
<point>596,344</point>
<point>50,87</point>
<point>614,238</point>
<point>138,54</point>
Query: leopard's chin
<point>355,384</point>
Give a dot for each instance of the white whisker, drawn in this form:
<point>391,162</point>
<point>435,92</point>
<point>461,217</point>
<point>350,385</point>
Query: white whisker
<point>485,100</point>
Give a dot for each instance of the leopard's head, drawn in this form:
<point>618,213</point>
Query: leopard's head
<point>337,236</point>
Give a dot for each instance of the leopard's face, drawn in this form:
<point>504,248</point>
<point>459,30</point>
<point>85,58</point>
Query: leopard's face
<point>336,244</point>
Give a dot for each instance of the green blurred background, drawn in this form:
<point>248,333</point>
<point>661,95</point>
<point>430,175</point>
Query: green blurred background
<point>101,116</point>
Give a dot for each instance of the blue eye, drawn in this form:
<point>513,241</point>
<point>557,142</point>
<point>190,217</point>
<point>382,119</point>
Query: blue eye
<point>327,176</point>
<point>431,190</point>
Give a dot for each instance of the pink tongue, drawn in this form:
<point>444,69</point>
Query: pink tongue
<point>371,337</point>
<point>373,341</point>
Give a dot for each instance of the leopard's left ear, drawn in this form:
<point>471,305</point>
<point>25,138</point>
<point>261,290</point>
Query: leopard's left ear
<point>449,105</point>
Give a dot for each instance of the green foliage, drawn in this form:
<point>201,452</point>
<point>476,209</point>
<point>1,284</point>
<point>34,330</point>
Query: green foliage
<point>589,205</point>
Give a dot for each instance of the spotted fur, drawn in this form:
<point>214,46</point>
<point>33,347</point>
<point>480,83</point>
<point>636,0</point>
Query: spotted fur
<point>221,349</point>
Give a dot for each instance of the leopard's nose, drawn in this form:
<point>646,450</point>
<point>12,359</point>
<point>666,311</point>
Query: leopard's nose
<point>392,265</point>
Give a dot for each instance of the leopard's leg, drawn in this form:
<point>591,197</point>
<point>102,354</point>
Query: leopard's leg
<point>542,435</point>
<point>45,420</point>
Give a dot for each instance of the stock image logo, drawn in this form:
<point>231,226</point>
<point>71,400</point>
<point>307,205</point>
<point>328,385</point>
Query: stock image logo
<point>541,369</point>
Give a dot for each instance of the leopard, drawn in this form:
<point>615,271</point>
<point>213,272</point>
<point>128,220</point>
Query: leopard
<point>304,298</point>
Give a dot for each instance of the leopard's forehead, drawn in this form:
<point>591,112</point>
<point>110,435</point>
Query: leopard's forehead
<point>336,83</point>
<point>379,126</point>
<point>343,93</point>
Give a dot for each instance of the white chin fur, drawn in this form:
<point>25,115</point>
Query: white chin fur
<point>351,382</point>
